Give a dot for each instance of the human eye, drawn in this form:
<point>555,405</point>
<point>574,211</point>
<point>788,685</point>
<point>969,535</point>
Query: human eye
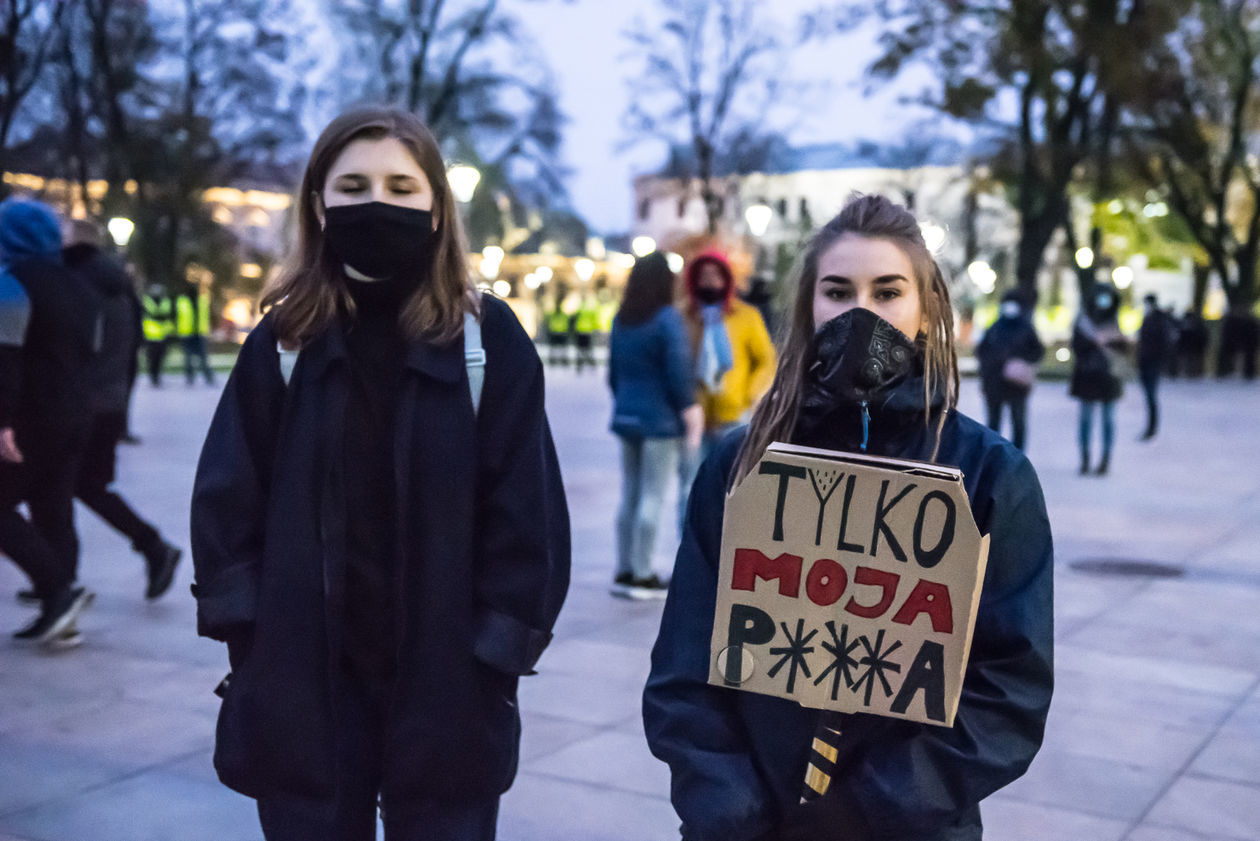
<point>836,292</point>
<point>887,294</point>
<point>350,186</point>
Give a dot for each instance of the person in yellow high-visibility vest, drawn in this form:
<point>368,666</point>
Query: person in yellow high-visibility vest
<point>192,323</point>
<point>585,327</point>
<point>157,324</point>
<point>558,335</point>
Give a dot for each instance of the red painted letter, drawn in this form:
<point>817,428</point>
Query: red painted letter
<point>751,565</point>
<point>826,582</point>
<point>876,578</point>
<point>930,598</point>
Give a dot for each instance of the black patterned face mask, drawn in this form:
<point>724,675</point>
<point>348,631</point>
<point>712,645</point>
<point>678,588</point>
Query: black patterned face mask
<point>857,357</point>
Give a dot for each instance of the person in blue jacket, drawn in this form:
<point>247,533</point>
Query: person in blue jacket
<point>383,546</point>
<point>868,366</point>
<point>654,404</point>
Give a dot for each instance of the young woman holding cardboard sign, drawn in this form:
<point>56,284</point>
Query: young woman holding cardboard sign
<point>868,365</point>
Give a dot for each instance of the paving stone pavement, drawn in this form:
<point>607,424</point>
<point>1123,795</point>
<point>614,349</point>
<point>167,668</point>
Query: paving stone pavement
<point>1154,734</point>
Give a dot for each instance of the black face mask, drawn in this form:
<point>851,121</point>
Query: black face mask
<point>709,296</point>
<point>380,240</point>
<point>857,357</point>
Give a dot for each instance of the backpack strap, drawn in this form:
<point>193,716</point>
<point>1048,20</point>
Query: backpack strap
<point>474,359</point>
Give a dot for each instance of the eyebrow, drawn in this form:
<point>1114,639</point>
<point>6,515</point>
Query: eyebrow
<point>884,278</point>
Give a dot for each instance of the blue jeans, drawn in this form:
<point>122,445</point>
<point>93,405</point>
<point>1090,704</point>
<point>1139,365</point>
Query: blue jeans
<point>646,465</point>
<point>1086,429</point>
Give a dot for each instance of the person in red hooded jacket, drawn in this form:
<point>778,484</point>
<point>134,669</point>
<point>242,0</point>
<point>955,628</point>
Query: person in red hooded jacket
<point>734,357</point>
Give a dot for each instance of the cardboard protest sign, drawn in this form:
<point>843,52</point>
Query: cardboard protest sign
<point>848,583</point>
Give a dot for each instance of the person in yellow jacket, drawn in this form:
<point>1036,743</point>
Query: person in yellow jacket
<point>192,324</point>
<point>158,324</point>
<point>585,328</point>
<point>734,357</point>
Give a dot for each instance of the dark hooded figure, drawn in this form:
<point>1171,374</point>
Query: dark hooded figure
<point>1155,346</point>
<point>113,373</point>
<point>1098,353</point>
<point>379,527</point>
<point>868,365</point>
<point>1007,383</point>
<point>49,334</point>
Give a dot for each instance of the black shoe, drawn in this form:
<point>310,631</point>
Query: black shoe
<point>651,587</point>
<point>161,558</point>
<point>129,439</point>
<point>1147,435</point>
<point>1102,468</point>
<point>1084,467</point>
<point>29,598</point>
<point>57,617</point>
<point>621,584</point>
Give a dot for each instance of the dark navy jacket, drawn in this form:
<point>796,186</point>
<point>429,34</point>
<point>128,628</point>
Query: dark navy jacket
<point>738,759</point>
<point>1008,337</point>
<point>650,374</point>
<point>483,557</point>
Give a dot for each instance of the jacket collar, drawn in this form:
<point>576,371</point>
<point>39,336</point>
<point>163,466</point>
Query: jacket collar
<point>444,363</point>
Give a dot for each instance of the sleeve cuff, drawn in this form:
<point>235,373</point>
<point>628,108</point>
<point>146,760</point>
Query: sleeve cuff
<point>227,602</point>
<point>506,643</point>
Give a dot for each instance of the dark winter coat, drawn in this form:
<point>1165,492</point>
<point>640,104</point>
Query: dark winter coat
<point>483,554</point>
<point>50,329</point>
<point>113,367</point>
<point>738,759</point>
<point>1010,337</point>
<point>1098,353</point>
<point>650,374</point>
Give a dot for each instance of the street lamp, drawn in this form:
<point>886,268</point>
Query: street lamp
<point>1122,277</point>
<point>120,230</point>
<point>642,246</point>
<point>491,260</point>
<point>933,236</point>
<point>675,261</point>
<point>758,217</point>
<point>585,269</point>
<point>1084,257</point>
<point>463,179</point>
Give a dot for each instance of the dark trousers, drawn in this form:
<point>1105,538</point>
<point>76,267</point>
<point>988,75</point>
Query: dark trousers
<point>1019,415</point>
<point>22,542</point>
<point>96,475</point>
<point>155,357</point>
<point>351,815</point>
<point>52,450</point>
<point>195,358</point>
<point>1148,373</point>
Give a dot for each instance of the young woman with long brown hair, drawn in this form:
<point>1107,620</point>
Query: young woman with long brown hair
<point>383,557</point>
<point>868,365</point>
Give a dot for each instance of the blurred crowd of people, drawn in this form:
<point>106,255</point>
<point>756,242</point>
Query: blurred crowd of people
<point>70,328</point>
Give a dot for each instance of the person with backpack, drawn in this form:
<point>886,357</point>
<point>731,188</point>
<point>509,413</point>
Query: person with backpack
<point>111,377</point>
<point>379,528</point>
<point>49,333</point>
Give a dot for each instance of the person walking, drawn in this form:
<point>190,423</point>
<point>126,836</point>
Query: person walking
<point>868,365</point>
<point>1155,345</point>
<point>654,411</point>
<point>192,325</point>
<point>1008,354</point>
<point>48,331</point>
<point>733,354</point>
<point>1192,344</point>
<point>379,529</point>
<point>1098,349</point>
<point>158,323</point>
<point>585,329</point>
<point>111,378</point>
